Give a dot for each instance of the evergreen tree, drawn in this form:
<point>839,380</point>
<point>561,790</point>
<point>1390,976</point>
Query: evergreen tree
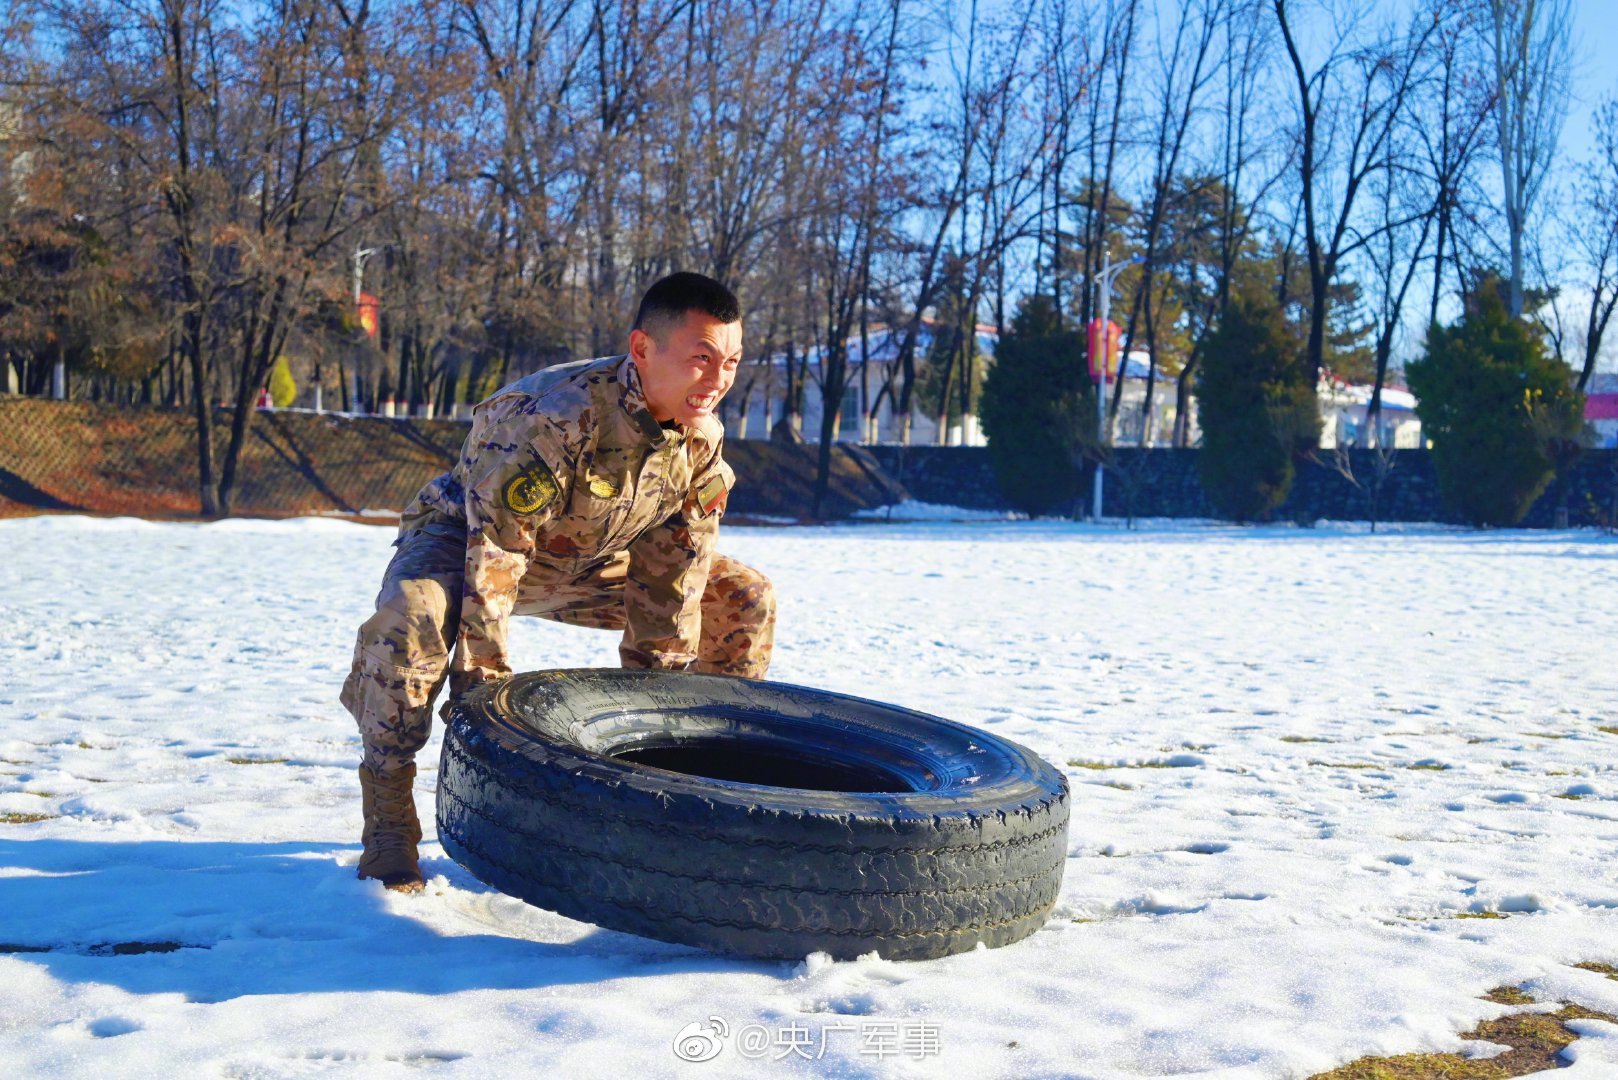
<point>1494,405</point>
<point>1257,408</point>
<point>1035,407</point>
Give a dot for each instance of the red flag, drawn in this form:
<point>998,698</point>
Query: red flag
<point>1113,335</point>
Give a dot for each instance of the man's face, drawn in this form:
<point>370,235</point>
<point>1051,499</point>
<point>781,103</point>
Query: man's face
<point>687,366</point>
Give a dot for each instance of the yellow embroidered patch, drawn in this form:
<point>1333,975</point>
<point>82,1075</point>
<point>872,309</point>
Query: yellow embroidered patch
<point>602,489</point>
<point>531,490</point>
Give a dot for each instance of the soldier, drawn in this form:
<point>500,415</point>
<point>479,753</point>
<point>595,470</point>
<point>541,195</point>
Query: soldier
<point>588,493</point>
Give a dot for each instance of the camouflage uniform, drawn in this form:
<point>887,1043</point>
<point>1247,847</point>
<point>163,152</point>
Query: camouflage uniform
<point>572,503</point>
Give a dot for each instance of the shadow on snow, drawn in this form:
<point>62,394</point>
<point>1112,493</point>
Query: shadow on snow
<point>215,921</point>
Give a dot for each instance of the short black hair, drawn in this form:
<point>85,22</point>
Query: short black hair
<point>671,297</point>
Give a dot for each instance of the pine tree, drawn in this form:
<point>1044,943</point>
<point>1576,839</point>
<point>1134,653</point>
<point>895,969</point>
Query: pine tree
<point>1494,405</point>
<point>1256,408</point>
<point>1036,401</point>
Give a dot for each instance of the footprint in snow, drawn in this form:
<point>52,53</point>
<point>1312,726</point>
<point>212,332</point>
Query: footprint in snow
<point>110,1026</point>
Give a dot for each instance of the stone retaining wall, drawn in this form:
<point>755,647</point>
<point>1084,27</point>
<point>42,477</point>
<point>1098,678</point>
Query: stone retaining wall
<point>1164,483</point>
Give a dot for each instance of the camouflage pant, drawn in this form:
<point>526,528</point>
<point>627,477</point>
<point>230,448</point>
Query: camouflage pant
<point>403,650</point>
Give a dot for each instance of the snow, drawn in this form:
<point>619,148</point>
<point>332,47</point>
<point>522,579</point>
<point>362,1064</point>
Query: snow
<point>916,510</point>
<point>1297,756</point>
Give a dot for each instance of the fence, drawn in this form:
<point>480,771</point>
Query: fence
<point>1164,483</point>
<point>142,461</point>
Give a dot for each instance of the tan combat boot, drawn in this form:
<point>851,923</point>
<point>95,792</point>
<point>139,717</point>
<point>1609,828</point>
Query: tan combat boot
<point>392,829</point>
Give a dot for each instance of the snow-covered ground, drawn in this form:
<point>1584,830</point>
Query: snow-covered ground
<point>1297,756</point>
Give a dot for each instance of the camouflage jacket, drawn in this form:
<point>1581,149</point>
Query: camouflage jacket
<point>562,471</point>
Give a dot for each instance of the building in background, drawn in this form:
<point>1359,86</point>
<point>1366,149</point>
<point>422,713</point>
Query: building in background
<point>1601,408</point>
<point>757,401</point>
<point>1133,427</point>
<point>1343,409</point>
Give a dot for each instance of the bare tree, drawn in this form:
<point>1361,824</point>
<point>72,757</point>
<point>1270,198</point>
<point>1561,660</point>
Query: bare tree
<point>1105,121</point>
<point>1370,480</point>
<point>1531,44</point>
<point>1596,238</point>
<point>1451,122</point>
<point>1407,205</point>
<point>1349,107</point>
<point>148,77</point>
<point>1216,238</point>
<point>1187,68</point>
<point>852,229</point>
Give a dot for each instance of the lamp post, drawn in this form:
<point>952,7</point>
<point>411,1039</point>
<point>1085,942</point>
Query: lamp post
<point>360,255</point>
<point>1103,283</point>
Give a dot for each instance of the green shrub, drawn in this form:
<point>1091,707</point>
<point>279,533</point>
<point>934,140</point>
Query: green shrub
<point>1036,399</point>
<point>1494,405</point>
<point>1256,408</point>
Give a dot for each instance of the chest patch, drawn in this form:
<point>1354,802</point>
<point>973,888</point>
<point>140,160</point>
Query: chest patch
<point>531,490</point>
<point>602,489</point>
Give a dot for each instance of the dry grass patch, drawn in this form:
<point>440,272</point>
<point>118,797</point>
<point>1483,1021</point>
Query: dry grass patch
<point>1428,766</point>
<point>1508,995</point>
<point>1479,915</point>
<point>1347,765</point>
<point>1608,730</point>
<point>1536,1042</point>
<point>1599,968</point>
<point>24,819</point>
<point>257,760</point>
<point>110,948</point>
<point>1302,738</point>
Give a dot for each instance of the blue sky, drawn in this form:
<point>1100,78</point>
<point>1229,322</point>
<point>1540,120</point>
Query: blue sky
<point>1596,44</point>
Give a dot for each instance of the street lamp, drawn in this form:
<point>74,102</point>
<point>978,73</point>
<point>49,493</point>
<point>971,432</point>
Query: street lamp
<point>360,255</point>
<point>1103,283</point>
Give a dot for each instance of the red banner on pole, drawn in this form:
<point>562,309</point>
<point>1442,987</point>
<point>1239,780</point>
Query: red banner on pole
<point>1095,337</point>
<point>369,314</point>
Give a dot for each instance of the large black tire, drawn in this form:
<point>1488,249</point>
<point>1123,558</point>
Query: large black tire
<point>819,822</point>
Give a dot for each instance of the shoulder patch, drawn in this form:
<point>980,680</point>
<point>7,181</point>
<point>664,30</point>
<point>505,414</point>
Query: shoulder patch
<point>711,495</point>
<point>531,490</point>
